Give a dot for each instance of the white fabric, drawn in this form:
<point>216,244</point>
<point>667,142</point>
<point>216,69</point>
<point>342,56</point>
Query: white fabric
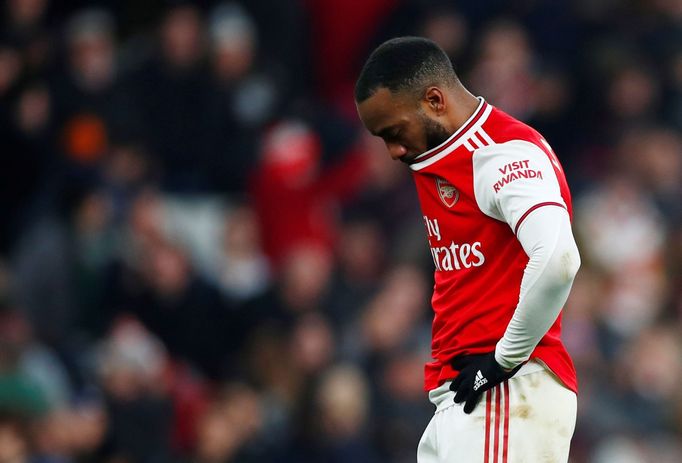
<point>501,191</point>
<point>541,421</point>
<point>510,180</point>
<point>462,138</point>
<point>436,396</point>
<point>553,262</point>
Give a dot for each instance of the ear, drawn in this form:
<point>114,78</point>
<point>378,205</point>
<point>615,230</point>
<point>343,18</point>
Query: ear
<point>434,99</point>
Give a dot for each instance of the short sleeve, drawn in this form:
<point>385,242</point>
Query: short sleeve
<point>512,179</point>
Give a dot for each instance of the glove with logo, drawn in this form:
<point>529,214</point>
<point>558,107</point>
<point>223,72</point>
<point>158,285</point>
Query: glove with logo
<point>477,374</point>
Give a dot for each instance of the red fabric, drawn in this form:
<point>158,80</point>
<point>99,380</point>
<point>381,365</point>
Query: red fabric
<point>341,31</point>
<point>474,303</point>
<point>190,397</point>
<point>294,213</point>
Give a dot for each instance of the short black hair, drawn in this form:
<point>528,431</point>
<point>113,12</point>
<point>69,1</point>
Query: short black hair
<point>404,63</point>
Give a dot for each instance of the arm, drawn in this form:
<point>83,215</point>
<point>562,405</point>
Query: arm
<point>546,237</point>
<point>533,207</point>
<point>536,212</point>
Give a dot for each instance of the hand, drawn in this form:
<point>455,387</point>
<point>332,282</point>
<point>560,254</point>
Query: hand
<point>477,374</point>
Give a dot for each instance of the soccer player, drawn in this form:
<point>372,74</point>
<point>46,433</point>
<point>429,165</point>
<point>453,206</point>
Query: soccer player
<point>497,208</point>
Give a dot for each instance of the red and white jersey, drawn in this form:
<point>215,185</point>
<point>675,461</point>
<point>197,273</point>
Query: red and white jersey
<point>475,190</point>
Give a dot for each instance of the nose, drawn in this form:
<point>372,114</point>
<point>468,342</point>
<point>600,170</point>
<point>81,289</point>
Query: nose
<point>396,150</point>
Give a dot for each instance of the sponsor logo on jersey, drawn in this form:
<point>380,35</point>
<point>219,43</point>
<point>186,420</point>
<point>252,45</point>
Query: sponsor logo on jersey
<point>479,381</point>
<point>432,228</point>
<point>515,171</point>
<point>448,193</point>
<point>457,256</point>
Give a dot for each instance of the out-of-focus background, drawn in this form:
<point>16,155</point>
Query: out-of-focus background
<point>205,259</point>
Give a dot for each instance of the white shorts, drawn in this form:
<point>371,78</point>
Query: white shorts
<point>529,418</point>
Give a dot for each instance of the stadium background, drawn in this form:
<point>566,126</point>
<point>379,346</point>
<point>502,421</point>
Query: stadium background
<point>206,259</point>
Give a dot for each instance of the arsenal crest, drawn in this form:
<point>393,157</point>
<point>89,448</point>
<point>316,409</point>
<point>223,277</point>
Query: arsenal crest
<point>448,193</point>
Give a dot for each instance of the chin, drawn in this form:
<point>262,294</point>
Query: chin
<point>409,158</point>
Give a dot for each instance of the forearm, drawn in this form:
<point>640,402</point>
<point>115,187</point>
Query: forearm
<point>553,262</point>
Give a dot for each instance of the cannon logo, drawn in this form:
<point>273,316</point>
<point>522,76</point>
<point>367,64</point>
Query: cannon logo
<point>448,193</point>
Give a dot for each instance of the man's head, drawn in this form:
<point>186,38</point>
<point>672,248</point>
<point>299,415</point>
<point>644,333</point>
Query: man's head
<point>406,93</point>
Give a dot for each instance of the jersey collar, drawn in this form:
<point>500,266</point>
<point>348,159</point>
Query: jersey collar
<point>455,140</point>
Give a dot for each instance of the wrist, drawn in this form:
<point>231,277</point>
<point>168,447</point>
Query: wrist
<point>504,364</point>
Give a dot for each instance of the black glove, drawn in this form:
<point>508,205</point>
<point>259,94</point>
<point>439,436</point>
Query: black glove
<point>477,374</point>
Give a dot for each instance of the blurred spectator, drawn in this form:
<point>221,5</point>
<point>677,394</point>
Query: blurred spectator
<point>362,259</point>
<point>390,318</point>
<point>14,441</point>
<point>242,269</point>
<point>503,71</point>
<point>304,278</point>
<point>67,435</point>
<point>20,393</point>
<point>92,103</point>
<point>44,276</point>
<point>131,365</point>
<point>170,90</point>
<point>633,262</point>
<point>655,382</point>
<point>242,96</point>
<point>339,423</point>
<point>337,54</point>
<point>126,170</point>
<point>389,199</point>
<point>554,106</point>
<point>26,25</point>
<point>654,157</point>
<point>90,36</point>
<point>67,256</point>
<point>632,97</point>
<point>38,363</point>
<point>26,136</point>
<point>33,111</point>
<point>296,200</point>
<point>234,46</point>
<point>25,15</point>
<point>449,30</point>
<point>228,429</point>
<point>312,345</point>
<point>10,68</point>
<point>180,307</point>
<point>399,395</point>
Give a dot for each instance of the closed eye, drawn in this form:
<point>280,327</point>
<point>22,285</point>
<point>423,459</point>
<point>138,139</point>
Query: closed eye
<point>390,134</point>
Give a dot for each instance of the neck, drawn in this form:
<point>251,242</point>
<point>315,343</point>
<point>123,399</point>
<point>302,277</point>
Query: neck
<point>462,107</point>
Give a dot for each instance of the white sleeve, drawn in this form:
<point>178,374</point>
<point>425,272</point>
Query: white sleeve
<point>512,178</point>
<point>512,183</point>
<point>553,262</point>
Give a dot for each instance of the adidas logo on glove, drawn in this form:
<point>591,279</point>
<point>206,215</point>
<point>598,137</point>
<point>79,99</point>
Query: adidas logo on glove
<point>479,380</point>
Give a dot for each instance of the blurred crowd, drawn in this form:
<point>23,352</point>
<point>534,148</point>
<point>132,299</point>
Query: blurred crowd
<point>205,259</point>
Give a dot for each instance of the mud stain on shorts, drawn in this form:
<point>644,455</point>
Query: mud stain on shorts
<point>534,381</point>
<point>548,456</point>
<point>521,411</point>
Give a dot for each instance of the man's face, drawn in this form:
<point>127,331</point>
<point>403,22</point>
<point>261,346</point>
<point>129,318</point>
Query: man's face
<point>405,125</point>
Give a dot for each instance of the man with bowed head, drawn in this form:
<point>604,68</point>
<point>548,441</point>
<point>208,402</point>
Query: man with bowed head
<point>497,211</point>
